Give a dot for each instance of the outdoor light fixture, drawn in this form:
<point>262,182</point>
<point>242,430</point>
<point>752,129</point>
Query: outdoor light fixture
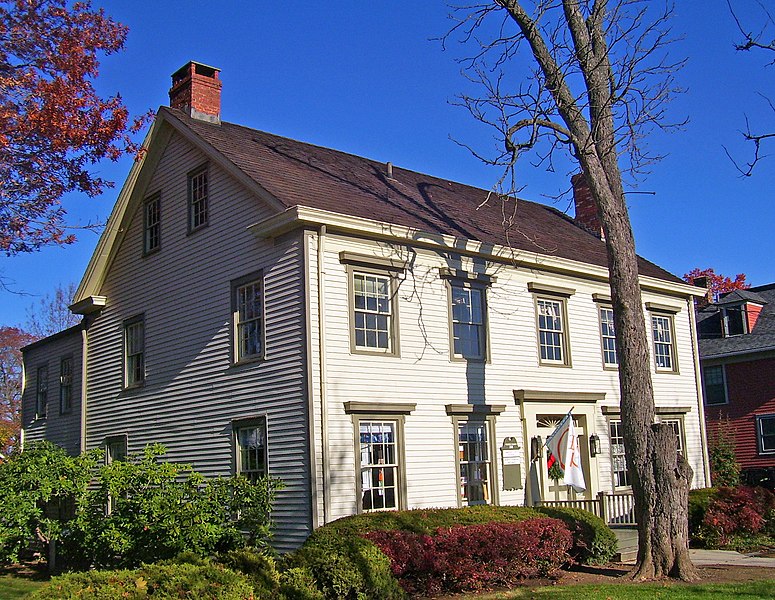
<point>536,447</point>
<point>594,445</point>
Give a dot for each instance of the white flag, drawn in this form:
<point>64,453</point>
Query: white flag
<point>574,475</point>
<point>564,448</point>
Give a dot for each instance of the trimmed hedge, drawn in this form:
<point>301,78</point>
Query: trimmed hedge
<point>347,566</point>
<point>731,517</point>
<point>206,581</point>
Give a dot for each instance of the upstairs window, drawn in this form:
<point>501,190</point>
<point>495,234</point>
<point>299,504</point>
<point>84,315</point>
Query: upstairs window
<point>608,337</point>
<point>66,385</point>
<point>249,317</point>
<point>552,335</point>
<point>152,224</point>
<point>134,352</point>
<point>715,385</point>
<point>664,344</point>
<point>251,448</point>
<point>198,195</point>
<point>468,321</point>
<point>41,393</point>
<point>372,312</point>
<point>765,429</point>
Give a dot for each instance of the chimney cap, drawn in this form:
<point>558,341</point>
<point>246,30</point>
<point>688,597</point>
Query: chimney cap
<point>198,68</point>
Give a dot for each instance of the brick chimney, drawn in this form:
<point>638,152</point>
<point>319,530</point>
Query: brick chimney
<point>586,209</point>
<point>196,90</point>
<point>704,283</point>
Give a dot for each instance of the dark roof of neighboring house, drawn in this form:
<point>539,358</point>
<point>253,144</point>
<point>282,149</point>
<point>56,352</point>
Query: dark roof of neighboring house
<point>297,173</point>
<point>761,338</point>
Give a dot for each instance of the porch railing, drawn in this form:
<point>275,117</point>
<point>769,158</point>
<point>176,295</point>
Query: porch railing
<point>614,509</point>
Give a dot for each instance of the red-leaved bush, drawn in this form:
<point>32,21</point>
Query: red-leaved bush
<point>739,510</point>
<point>474,557</point>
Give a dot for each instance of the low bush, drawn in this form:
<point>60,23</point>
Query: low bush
<point>699,500</point>
<point>160,581</point>
<point>739,510</point>
<point>593,541</point>
<point>473,557</point>
<point>298,583</point>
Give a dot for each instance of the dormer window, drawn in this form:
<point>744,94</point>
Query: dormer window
<point>734,321</point>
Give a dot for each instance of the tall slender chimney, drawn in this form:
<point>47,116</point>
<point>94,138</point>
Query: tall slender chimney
<point>586,209</point>
<point>196,90</point>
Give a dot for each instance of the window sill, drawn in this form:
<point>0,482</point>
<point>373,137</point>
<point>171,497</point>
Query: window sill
<point>197,229</point>
<point>554,364</point>
<point>375,352</point>
<point>251,360</point>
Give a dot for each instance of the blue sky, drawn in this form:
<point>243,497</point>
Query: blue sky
<point>367,78</point>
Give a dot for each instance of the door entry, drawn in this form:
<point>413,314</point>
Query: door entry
<point>554,489</point>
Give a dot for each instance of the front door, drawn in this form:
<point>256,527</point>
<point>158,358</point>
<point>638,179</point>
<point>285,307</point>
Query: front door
<point>551,488</point>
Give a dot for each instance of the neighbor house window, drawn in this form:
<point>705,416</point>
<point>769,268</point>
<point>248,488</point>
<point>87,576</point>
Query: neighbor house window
<point>248,296</point>
<point>41,392</point>
<point>251,448</point>
<point>715,385</point>
<point>552,334</point>
<point>134,352</point>
<point>618,459</point>
<point>765,429</point>
<point>468,321</point>
<point>198,199</point>
<point>474,461</point>
<point>608,337</point>
<point>152,224</point>
<point>66,385</point>
<point>372,301</point>
<point>664,345</point>
<point>378,464</point>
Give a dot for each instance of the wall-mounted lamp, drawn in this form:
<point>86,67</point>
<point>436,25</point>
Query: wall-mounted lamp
<point>536,447</point>
<point>594,445</point>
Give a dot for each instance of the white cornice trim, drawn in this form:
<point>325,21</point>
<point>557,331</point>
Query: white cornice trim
<point>304,216</point>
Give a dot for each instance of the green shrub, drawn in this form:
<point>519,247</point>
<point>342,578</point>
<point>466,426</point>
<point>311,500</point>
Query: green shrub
<point>298,583</point>
<point>724,468</point>
<point>161,582</point>
<point>593,541</point>
<point>259,567</point>
<point>699,501</point>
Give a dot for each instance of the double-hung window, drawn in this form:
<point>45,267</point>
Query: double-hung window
<point>251,448</point>
<point>765,433</point>
<point>134,351</point>
<point>474,462</point>
<point>115,449</point>
<point>248,307</point>
<point>66,385</point>
<point>41,392</point>
<point>608,336</point>
<point>677,425</point>
<point>379,464</point>
<point>715,382</point>
<point>618,459</point>
<point>552,323</point>
<point>198,198</point>
<point>468,321</point>
<point>152,224</point>
<point>664,346</point>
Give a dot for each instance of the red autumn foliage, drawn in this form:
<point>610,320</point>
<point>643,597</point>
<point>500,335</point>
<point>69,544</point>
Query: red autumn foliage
<point>739,510</point>
<point>53,124</point>
<point>475,557</point>
<point>719,284</point>
<point>11,340</point>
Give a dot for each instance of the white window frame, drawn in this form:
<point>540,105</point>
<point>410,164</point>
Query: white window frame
<point>471,457</point>
<point>723,385</point>
<point>616,442</point>
<point>65,384</point>
<point>563,346</point>
<point>248,322</point>
<point>660,344</point>
<point>134,352</point>
<point>760,419</point>
<point>677,423</point>
<point>255,466</point>
<point>41,392</point>
<point>385,307</point>
<point>469,321</point>
<point>198,198</point>
<point>608,336</point>
<point>373,496</point>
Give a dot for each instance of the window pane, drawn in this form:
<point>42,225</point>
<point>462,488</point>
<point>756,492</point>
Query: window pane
<point>551,335</point>
<point>608,336</point>
<point>379,465</point>
<point>134,343</point>
<point>663,342</point>
<point>468,332</point>
<point>715,387</point>
<point>249,316</point>
<point>474,461</point>
<point>372,311</point>
<point>251,444</point>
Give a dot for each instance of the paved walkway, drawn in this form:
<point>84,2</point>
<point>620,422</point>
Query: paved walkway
<point>727,557</point>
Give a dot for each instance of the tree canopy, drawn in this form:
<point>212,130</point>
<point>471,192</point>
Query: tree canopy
<point>718,284</point>
<point>54,126</point>
<point>11,340</point>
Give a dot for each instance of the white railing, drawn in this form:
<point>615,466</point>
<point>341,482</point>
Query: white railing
<point>614,509</point>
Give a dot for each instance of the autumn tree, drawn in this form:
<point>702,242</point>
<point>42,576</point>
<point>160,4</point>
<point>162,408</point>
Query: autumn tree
<point>54,126</point>
<point>51,313</point>
<point>717,284</point>
<point>12,340</point>
<point>592,78</point>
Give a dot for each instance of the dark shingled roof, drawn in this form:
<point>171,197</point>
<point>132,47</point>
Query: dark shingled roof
<point>296,173</point>
<point>761,338</point>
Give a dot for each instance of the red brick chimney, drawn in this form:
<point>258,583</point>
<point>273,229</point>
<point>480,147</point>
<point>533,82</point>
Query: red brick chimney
<point>196,90</point>
<point>586,209</point>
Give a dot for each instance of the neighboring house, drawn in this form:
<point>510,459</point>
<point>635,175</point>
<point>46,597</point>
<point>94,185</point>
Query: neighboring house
<point>366,333</point>
<point>737,350</point>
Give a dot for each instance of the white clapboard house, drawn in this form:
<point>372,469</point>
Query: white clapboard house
<point>372,336</point>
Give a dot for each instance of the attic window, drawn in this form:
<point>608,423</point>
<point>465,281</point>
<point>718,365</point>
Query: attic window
<point>734,321</point>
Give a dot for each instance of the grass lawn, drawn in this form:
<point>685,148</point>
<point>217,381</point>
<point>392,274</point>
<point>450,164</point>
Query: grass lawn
<point>643,591</point>
<point>12,587</point>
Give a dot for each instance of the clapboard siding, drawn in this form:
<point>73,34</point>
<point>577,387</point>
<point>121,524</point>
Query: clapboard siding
<point>192,391</point>
<point>425,375</point>
<point>63,429</point>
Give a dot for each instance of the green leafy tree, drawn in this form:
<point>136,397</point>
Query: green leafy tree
<point>12,339</point>
<point>724,468</point>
